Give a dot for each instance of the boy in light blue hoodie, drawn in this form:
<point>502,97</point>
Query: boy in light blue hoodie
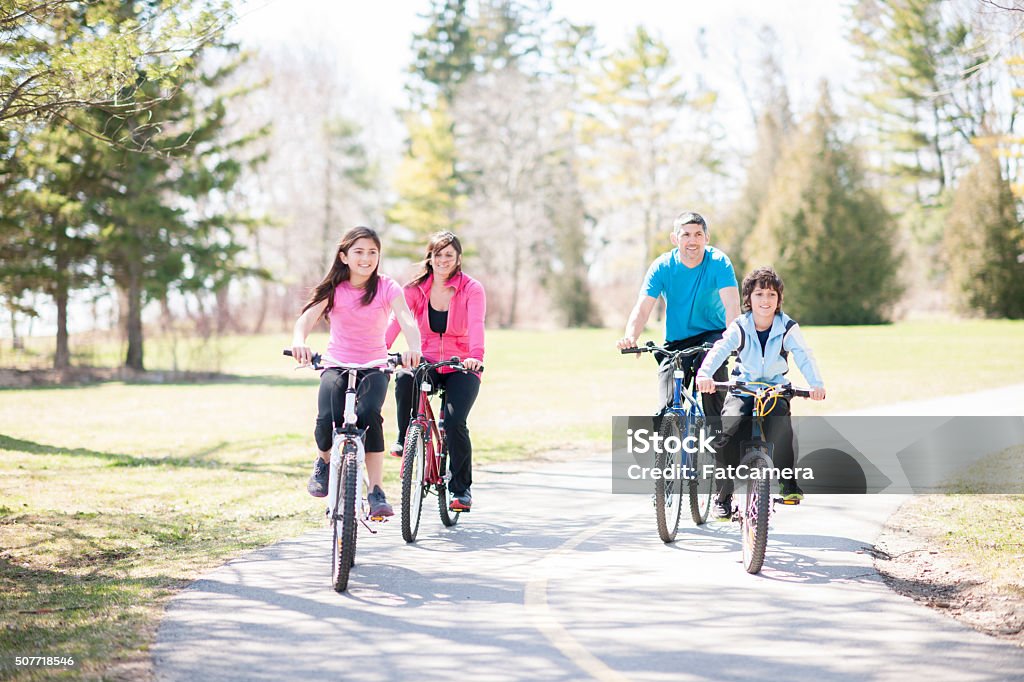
<point>764,336</point>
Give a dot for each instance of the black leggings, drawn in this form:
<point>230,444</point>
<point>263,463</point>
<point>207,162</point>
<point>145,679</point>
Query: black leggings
<point>371,389</point>
<point>461,390</point>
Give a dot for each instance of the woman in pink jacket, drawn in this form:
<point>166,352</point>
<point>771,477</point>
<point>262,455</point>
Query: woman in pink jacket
<point>449,307</point>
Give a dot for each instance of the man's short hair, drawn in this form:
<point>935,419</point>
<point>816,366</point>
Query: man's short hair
<point>689,218</point>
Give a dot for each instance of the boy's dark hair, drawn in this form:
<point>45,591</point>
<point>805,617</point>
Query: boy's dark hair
<point>767,278</point>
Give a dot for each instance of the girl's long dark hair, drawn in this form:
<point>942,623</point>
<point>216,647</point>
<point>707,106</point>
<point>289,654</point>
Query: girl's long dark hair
<point>438,241</point>
<point>340,272</point>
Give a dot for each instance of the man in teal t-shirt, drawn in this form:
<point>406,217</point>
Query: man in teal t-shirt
<point>701,299</point>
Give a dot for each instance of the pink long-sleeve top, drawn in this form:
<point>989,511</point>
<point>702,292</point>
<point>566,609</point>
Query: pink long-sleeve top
<point>464,336</point>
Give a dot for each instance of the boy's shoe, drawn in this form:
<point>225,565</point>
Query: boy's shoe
<point>317,485</point>
<point>461,502</point>
<point>721,509</point>
<point>378,503</point>
<point>397,449</point>
<point>791,491</point>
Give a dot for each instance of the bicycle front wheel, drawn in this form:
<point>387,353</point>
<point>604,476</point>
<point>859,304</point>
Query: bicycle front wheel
<point>702,481</point>
<point>412,482</point>
<point>448,517</point>
<point>756,506</point>
<point>344,521</point>
<point>667,498</point>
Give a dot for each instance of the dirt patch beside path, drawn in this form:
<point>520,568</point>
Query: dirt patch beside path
<point>914,558</point>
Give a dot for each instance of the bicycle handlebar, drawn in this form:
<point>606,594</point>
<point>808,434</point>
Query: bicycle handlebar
<point>753,389</point>
<point>392,361</point>
<point>651,347</point>
<point>453,362</point>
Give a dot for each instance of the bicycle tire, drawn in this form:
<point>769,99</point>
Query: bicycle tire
<point>413,488</point>
<point>700,487</point>
<point>345,542</point>
<point>667,498</point>
<point>448,517</point>
<point>754,522</point>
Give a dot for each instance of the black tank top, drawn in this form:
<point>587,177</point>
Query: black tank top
<point>438,319</point>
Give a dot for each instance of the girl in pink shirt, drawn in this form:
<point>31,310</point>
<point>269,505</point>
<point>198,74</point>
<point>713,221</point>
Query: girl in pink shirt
<point>449,307</point>
<point>356,302</point>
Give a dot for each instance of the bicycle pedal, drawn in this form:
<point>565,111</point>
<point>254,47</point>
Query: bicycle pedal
<point>783,500</point>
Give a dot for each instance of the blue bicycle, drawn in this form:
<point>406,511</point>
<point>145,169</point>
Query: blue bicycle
<point>683,420</point>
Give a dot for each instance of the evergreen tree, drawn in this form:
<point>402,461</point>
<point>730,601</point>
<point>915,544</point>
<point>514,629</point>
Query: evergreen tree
<point>984,244</point>
<point>825,231</point>
<point>162,214</point>
<point>48,244</point>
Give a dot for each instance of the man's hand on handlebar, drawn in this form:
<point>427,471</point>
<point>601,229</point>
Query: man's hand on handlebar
<point>818,393</point>
<point>706,384</point>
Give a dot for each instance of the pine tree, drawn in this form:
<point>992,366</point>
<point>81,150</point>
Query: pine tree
<point>825,231</point>
<point>984,244</point>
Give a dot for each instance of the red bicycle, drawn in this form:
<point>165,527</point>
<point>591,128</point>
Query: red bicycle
<point>425,464</point>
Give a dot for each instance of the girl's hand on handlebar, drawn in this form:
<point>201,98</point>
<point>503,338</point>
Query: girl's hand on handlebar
<point>302,353</point>
<point>818,393</point>
<point>625,342</point>
<point>411,358</point>
<point>706,384</point>
<point>472,364</point>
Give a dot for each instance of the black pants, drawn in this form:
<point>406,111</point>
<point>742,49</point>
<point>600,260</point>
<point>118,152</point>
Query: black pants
<point>461,390</point>
<point>737,424</point>
<point>711,402</point>
<point>371,390</point>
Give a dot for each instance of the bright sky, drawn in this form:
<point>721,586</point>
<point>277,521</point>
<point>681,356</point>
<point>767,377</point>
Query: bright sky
<point>372,38</point>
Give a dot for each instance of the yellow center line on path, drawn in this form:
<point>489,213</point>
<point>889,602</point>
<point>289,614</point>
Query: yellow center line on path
<point>536,602</point>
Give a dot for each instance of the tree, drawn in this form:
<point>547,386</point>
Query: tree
<point>58,55</point>
<point>984,243</point>
<point>773,122</point>
<point>443,54</point>
<point>912,53</point>
<point>164,222</point>
<point>826,231</point>
<point>506,152</point>
<point>48,243</point>
<point>639,157</point>
<point>430,190</point>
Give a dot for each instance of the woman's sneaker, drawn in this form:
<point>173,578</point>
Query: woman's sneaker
<point>461,502</point>
<point>378,503</point>
<point>317,485</point>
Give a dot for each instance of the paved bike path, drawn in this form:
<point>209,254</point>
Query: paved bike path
<point>524,588</point>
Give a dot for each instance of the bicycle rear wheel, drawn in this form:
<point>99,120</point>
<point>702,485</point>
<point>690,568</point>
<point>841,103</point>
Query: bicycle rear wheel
<point>344,521</point>
<point>448,517</point>
<point>700,486</point>
<point>413,487</point>
<point>754,520</point>
<point>667,497</point>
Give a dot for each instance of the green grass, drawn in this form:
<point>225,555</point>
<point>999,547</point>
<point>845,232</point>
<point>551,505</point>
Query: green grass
<point>113,496</point>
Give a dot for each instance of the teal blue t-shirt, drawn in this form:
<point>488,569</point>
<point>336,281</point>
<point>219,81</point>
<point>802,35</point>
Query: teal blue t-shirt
<point>692,302</point>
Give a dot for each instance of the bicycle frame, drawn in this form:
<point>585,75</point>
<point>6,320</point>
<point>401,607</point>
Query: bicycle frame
<point>433,432</point>
<point>689,416</point>
<point>348,433</point>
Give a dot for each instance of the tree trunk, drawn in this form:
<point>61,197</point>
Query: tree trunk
<point>62,358</point>
<point>133,321</point>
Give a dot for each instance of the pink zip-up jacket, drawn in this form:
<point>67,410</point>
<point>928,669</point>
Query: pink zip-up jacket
<point>464,337</point>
